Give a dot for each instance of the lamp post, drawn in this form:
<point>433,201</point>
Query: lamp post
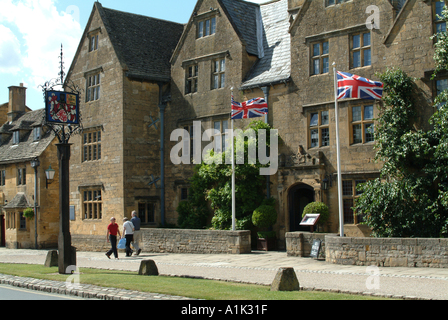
<point>63,117</point>
<point>35,163</point>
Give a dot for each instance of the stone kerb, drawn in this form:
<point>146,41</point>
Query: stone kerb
<point>387,252</point>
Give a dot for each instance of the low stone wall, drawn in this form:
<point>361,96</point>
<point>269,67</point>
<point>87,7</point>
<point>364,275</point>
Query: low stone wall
<point>177,241</point>
<point>298,244</point>
<point>387,252</point>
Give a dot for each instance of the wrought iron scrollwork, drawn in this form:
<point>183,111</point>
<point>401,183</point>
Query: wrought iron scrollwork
<point>63,131</point>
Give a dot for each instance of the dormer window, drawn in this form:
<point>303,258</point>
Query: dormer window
<point>37,133</point>
<point>16,137</point>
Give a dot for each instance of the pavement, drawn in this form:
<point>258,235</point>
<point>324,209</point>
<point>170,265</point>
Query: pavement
<point>259,267</point>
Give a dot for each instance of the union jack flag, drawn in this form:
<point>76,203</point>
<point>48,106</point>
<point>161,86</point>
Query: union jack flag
<point>353,86</point>
<point>253,108</point>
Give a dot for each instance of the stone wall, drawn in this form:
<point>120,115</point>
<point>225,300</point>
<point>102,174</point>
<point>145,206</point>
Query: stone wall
<point>177,241</point>
<point>298,244</point>
<point>387,252</point>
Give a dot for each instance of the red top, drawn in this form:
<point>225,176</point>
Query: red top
<point>113,229</point>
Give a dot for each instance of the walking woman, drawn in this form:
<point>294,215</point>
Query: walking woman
<point>112,231</point>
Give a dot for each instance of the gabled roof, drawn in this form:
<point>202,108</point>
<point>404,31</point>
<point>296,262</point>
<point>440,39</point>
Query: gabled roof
<point>143,45</point>
<point>20,201</point>
<point>275,65</point>
<point>27,148</point>
<point>243,17</point>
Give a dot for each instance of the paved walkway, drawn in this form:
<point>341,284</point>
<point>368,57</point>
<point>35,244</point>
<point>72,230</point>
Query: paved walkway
<point>261,268</point>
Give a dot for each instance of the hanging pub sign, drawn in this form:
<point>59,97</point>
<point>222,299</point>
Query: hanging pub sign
<point>62,107</point>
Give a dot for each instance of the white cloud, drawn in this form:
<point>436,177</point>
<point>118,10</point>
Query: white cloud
<point>41,29</point>
<point>10,61</point>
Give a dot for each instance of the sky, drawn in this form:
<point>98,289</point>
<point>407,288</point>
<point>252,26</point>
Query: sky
<point>32,31</point>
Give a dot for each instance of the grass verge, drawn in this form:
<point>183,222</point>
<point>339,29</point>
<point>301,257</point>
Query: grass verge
<point>192,288</point>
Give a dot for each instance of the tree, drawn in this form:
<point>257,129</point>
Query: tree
<point>410,199</point>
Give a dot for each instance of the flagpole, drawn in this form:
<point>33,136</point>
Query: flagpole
<point>233,175</point>
<point>338,148</point>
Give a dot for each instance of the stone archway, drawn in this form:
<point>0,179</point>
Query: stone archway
<point>299,196</point>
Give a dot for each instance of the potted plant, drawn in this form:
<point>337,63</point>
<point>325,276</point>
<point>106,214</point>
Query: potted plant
<point>264,217</point>
<point>318,208</point>
<point>28,213</point>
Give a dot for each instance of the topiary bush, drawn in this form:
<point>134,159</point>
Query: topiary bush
<point>264,216</point>
<point>319,208</point>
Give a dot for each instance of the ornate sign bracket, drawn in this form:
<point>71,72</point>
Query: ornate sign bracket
<point>62,112</point>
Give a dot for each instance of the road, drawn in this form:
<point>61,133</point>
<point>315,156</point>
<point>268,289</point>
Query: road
<point>8,293</point>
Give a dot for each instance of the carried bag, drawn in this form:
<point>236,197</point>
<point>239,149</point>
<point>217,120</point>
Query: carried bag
<point>121,244</point>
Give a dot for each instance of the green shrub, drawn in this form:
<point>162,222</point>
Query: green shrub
<point>28,213</point>
<point>191,217</point>
<point>264,216</point>
<point>319,208</point>
<point>266,234</point>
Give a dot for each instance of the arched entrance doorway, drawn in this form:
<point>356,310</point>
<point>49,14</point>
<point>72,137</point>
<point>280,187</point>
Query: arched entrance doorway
<point>298,198</point>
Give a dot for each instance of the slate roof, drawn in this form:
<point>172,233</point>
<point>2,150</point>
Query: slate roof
<point>243,17</point>
<point>275,66</point>
<point>143,44</point>
<point>19,201</point>
<point>27,148</point>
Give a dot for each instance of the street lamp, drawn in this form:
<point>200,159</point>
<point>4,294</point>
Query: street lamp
<point>35,163</point>
<point>49,173</point>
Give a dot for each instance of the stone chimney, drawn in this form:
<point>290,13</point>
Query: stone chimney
<point>17,102</point>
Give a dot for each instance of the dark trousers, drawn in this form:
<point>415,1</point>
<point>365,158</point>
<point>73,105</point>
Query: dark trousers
<point>129,238</point>
<point>113,242</point>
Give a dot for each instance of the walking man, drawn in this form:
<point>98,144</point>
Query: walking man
<point>111,236</point>
<point>137,233</point>
<point>128,232</point>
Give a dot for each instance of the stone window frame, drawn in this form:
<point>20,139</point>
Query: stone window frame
<point>21,176</point>
<point>191,78</point>
<point>183,196</point>
<point>437,22</point>
<point>206,23</point>
<point>223,134</point>
<point>93,37</point>
<point>11,220</point>
<point>362,49</point>
<point>144,213</point>
<point>321,126</point>
<point>91,145</point>
<point>22,221</point>
<point>437,86</point>
<point>321,57</point>
<point>2,177</point>
<point>92,203</point>
<point>218,73</point>
<point>331,3</point>
<point>206,59</point>
<point>93,87</point>
<point>362,121</point>
<point>349,196</point>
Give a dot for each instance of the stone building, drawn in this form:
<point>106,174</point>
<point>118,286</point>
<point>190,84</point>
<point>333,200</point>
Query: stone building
<point>122,64</point>
<point>23,139</point>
